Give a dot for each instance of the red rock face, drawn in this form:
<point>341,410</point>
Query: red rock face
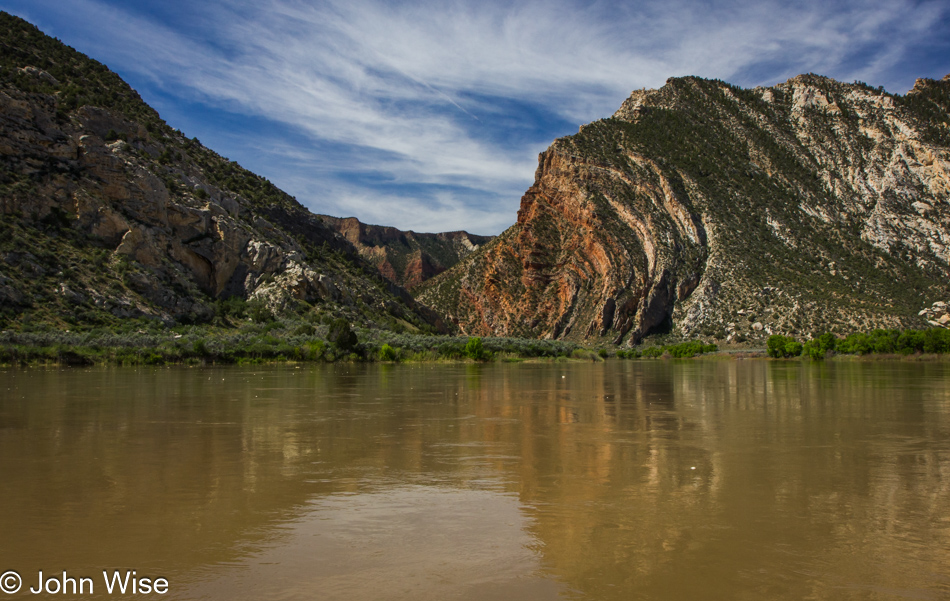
<point>420,269</point>
<point>582,261</point>
<point>406,258</point>
<point>723,213</point>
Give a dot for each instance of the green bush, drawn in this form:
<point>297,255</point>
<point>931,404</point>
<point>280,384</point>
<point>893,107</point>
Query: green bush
<point>258,311</point>
<point>313,350</point>
<point>793,348</point>
<point>858,343</point>
<point>387,353</point>
<point>341,336</point>
<point>775,346</point>
<point>474,349</point>
<point>201,348</point>
<point>827,342</point>
<point>686,350</point>
<point>780,347</point>
<point>883,341</point>
<point>818,348</point>
<point>305,329</point>
<point>585,355</point>
<point>936,340</point>
<point>910,341</point>
<point>933,340</point>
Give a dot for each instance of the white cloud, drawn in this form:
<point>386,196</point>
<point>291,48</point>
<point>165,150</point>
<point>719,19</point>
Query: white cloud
<point>411,83</point>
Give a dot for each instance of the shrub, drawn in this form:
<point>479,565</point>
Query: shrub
<point>305,329</point>
<point>855,344</point>
<point>341,336</point>
<point>233,306</point>
<point>474,349</point>
<point>686,350</point>
<point>812,349</point>
<point>827,342</point>
<point>936,340</point>
<point>200,348</point>
<point>883,341</point>
<point>387,353</point>
<point>586,355</point>
<point>259,312</point>
<point>793,348</point>
<point>775,345</point>
<point>313,350</point>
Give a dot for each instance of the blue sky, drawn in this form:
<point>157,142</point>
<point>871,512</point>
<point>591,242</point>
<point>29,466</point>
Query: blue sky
<point>430,115</point>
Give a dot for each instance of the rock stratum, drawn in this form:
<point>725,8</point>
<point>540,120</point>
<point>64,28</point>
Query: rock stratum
<point>406,258</point>
<point>706,210</point>
<point>107,212</point>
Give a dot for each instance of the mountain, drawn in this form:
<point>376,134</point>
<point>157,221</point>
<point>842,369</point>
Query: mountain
<point>106,212</point>
<point>406,258</point>
<point>706,210</point>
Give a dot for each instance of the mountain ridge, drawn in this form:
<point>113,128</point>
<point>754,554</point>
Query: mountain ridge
<point>699,209</point>
<point>107,213</point>
<point>704,209</point>
<point>406,257</point>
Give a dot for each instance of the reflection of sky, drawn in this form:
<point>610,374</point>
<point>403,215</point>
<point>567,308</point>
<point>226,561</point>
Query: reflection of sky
<point>430,116</point>
<point>407,542</point>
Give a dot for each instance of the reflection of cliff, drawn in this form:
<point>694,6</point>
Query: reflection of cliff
<point>806,478</point>
<point>806,481</point>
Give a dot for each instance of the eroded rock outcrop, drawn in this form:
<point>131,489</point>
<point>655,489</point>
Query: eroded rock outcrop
<point>406,258</point>
<point>708,210</point>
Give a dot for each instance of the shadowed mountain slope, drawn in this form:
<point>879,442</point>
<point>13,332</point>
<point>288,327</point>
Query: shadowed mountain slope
<point>106,212</point>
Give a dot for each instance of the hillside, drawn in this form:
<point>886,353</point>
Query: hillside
<point>706,210</point>
<point>406,258</point>
<point>107,213</point>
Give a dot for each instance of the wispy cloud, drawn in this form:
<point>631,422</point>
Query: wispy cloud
<point>450,102</point>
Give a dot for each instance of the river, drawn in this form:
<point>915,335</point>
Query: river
<point>654,480</point>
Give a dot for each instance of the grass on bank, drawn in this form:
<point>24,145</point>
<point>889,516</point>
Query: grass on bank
<point>932,341</point>
<point>149,342</point>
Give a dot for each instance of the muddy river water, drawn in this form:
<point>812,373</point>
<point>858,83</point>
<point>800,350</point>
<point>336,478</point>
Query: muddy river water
<point>659,480</point>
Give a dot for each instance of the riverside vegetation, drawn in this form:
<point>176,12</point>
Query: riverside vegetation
<point>244,334</point>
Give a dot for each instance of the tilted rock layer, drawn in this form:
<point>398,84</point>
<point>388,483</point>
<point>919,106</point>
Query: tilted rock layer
<point>406,258</point>
<point>107,211</point>
<point>707,210</point>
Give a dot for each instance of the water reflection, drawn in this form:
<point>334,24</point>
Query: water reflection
<point>649,480</point>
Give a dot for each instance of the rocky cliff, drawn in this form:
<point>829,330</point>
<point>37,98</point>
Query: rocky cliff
<point>703,209</point>
<point>406,258</point>
<point>106,211</point>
